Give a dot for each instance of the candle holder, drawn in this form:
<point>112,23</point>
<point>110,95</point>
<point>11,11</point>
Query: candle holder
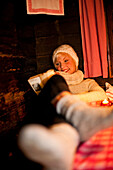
<point>106,103</point>
<point>101,103</point>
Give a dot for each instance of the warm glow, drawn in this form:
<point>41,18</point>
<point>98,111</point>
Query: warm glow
<point>105,101</point>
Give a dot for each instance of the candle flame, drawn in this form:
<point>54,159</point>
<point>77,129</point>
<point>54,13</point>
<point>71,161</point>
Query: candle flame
<point>105,101</point>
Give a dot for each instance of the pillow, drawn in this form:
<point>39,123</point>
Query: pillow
<point>109,91</point>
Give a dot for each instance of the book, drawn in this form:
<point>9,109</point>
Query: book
<point>38,81</point>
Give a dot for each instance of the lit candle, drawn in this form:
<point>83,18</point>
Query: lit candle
<point>106,103</point>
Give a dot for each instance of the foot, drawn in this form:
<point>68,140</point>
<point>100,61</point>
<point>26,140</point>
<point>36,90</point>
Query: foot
<point>55,100</point>
<point>87,119</point>
<point>55,85</point>
<point>54,148</point>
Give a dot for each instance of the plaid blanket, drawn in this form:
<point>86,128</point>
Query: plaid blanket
<point>96,153</point>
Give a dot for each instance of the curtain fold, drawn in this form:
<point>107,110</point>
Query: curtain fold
<point>51,7</point>
<point>94,41</point>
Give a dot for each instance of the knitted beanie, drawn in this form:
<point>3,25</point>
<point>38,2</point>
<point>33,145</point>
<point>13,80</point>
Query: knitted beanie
<point>67,49</point>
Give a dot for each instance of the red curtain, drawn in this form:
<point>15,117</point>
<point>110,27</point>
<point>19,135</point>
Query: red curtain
<point>94,41</point>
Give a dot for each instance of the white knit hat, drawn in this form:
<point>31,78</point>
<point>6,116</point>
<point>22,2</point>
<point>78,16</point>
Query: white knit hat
<point>67,49</point>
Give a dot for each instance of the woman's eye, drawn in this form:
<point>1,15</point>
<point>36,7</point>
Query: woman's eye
<point>65,61</point>
<point>57,64</point>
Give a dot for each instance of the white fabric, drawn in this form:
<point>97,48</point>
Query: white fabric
<point>109,91</point>
<point>72,79</point>
<point>52,7</point>
<point>88,120</point>
<point>67,101</point>
<point>53,147</point>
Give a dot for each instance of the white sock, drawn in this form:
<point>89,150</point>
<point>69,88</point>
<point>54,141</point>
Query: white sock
<point>54,148</point>
<point>88,120</point>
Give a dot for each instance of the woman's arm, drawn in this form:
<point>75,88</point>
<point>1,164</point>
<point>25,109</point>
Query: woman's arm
<point>95,92</point>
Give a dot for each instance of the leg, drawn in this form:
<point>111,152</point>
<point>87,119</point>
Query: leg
<point>54,148</point>
<point>40,110</point>
<point>88,120</point>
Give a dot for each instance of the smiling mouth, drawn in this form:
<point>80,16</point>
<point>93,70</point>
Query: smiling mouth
<point>66,70</point>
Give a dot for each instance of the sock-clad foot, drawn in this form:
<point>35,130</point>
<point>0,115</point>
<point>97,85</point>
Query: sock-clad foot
<point>87,119</point>
<point>54,86</point>
<point>54,148</point>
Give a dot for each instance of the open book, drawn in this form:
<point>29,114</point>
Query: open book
<point>38,81</point>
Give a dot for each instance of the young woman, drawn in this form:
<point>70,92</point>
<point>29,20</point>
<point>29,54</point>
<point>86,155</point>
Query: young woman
<point>66,62</point>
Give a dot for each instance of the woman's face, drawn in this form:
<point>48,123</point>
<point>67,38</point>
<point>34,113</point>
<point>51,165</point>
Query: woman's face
<point>64,62</point>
